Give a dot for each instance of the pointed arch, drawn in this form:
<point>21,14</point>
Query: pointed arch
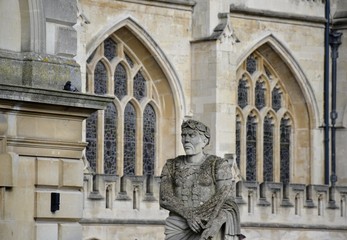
<point>130,23</point>
<point>298,99</point>
<point>269,43</point>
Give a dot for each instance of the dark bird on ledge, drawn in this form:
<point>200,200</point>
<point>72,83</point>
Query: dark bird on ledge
<point>69,87</point>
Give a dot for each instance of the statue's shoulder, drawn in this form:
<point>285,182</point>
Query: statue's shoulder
<point>217,161</point>
<point>172,162</point>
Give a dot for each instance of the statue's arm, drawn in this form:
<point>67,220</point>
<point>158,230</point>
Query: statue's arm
<point>168,200</point>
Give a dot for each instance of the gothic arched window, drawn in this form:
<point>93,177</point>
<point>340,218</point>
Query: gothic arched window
<point>114,134</point>
<point>263,99</point>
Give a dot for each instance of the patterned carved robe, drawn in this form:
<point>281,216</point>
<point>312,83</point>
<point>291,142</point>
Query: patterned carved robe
<point>202,191</point>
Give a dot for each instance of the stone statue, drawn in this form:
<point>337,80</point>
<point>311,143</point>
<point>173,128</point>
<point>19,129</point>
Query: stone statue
<point>197,190</point>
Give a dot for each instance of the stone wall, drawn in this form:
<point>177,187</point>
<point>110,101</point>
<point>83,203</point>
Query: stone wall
<point>298,211</point>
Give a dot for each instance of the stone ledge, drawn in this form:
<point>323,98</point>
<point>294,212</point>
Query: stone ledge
<point>273,14</point>
<point>177,4</point>
<point>294,226</point>
<point>53,97</point>
<point>86,221</point>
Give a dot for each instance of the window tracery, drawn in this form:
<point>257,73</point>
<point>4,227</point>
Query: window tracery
<point>263,121</point>
<point>120,115</point>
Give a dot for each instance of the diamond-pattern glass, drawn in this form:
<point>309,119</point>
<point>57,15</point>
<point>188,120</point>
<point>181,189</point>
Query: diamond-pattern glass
<point>110,48</point>
<point>285,131</point>
<point>251,148</point>
<point>276,99</point>
<point>110,126</point>
<point>149,131</point>
<point>139,86</point>
<point>259,95</point>
<point>91,139</point>
<point>129,140</point>
<point>100,79</point>
<point>251,64</point>
<point>242,93</point>
<point>268,150</point>
<point>120,82</point>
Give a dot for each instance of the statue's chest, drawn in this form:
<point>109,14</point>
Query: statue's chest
<point>194,183</point>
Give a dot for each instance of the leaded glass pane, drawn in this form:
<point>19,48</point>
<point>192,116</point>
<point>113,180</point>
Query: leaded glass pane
<point>130,62</point>
<point>242,93</point>
<point>110,124</point>
<point>276,99</point>
<point>260,95</point>
<point>110,48</point>
<point>268,150</point>
<point>238,142</point>
<point>285,131</point>
<point>251,64</point>
<point>139,86</point>
<point>149,129</point>
<point>251,147</point>
<point>129,140</point>
<point>100,79</point>
<point>120,82</point>
<point>91,139</point>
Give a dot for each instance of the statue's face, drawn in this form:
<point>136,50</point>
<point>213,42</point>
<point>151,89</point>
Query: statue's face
<point>193,142</point>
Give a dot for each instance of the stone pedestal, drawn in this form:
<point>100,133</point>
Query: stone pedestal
<point>41,176</point>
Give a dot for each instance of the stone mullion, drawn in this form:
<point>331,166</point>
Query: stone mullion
<point>139,144</point>
<point>276,149</point>
<point>243,147</point>
<point>100,143</point>
<point>260,150</point>
<point>120,142</point>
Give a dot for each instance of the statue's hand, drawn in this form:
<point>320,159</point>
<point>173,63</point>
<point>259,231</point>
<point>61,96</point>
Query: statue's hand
<point>195,224</point>
<point>216,225</point>
<point>209,233</point>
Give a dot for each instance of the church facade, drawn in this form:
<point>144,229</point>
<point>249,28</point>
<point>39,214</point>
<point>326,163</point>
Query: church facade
<point>268,77</point>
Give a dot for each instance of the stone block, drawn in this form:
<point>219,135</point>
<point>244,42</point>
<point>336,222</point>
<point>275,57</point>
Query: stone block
<point>61,11</point>
<point>66,42</point>
<point>6,170</point>
<point>47,172</point>
<point>47,231</point>
<point>72,173</point>
<point>42,127</point>
<point>70,205</point>
<point>70,231</point>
